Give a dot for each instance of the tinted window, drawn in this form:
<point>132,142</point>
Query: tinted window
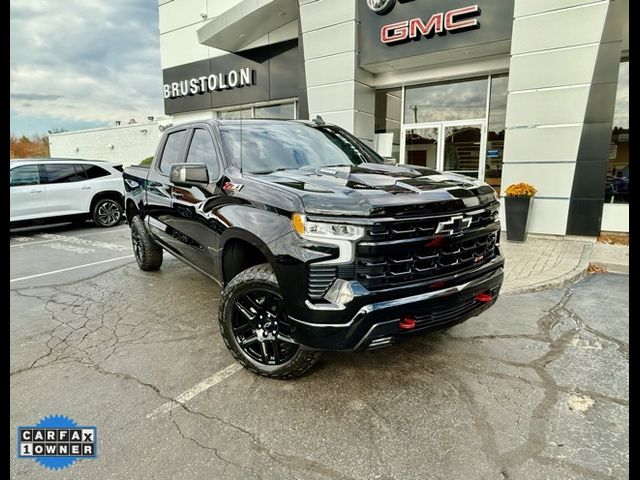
<point>172,150</point>
<point>63,173</point>
<point>80,171</point>
<point>26,175</point>
<point>93,171</point>
<point>202,150</point>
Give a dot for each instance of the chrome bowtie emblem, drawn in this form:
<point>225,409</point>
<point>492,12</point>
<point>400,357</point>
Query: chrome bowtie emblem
<point>454,225</point>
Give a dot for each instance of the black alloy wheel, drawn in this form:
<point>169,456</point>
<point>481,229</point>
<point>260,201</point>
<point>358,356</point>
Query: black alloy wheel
<point>256,329</point>
<point>261,328</point>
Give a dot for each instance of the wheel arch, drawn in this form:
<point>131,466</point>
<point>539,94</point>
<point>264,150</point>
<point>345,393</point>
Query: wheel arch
<point>240,251</point>
<point>131,210</point>
<point>112,194</point>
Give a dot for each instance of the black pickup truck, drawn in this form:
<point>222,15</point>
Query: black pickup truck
<point>317,243</point>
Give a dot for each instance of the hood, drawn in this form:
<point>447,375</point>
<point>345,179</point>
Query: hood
<point>372,189</point>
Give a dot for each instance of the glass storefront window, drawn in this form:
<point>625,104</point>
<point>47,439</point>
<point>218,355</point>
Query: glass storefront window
<point>617,186</point>
<point>387,120</point>
<point>422,147</point>
<point>495,131</point>
<point>462,149</point>
<point>463,100</point>
<point>235,114</point>
<point>284,111</point>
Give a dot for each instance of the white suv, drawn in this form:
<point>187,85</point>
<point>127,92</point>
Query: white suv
<point>66,189</point>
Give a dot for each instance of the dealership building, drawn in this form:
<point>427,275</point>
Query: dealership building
<point>502,90</point>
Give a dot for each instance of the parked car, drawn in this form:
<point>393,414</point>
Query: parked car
<point>44,189</point>
<point>318,244</point>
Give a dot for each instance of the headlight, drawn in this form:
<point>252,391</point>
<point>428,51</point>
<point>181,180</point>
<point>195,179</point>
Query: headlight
<point>306,228</point>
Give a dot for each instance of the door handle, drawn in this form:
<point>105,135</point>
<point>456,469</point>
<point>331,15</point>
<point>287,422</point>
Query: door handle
<point>86,188</point>
<point>35,191</point>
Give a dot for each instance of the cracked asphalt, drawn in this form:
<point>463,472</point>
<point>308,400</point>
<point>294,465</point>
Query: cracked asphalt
<point>535,388</point>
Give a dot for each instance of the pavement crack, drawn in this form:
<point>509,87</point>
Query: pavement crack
<point>537,433</point>
<point>206,447</point>
<point>280,458</point>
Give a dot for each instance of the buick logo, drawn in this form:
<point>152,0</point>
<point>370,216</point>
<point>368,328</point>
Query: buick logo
<point>454,225</point>
<point>381,7</point>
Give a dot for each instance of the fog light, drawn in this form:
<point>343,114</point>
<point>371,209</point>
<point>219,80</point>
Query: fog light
<point>340,293</point>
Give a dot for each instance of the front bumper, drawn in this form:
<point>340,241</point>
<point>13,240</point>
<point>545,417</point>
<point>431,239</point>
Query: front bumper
<point>377,324</point>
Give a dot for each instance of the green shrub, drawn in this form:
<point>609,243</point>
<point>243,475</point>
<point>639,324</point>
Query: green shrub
<point>147,161</point>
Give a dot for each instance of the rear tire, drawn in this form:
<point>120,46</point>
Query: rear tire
<point>147,252</point>
<point>255,327</point>
<point>107,212</point>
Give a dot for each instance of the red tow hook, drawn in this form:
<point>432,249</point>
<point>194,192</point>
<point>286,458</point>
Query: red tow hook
<point>407,322</point>
<point>483,298</point>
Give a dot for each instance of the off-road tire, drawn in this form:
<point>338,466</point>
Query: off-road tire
<point>259,276</point>
<point>148,253</point>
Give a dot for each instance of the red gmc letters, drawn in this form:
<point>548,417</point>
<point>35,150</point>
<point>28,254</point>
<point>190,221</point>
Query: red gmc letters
<point>439,22</point>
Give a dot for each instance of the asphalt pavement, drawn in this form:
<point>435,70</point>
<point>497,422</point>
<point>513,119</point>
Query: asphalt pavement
<point>535,388</point>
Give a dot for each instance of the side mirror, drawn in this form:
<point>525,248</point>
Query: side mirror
<point>188,174</point>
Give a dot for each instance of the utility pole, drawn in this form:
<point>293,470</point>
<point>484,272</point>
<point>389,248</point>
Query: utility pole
<point>415,112</point>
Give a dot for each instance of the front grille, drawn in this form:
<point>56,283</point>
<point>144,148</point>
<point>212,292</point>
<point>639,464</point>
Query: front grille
<point>400,252</point>
<point>404,263</point>
<point>320,278</point>
<point>424,227</point>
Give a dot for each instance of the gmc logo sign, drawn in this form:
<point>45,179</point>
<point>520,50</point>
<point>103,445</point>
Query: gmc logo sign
<point>440,23</point>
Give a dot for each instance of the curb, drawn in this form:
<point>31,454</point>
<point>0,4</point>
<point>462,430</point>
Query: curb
<point>612,267</point>
<point>575,274</point>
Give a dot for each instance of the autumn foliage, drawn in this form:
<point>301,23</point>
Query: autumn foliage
<point>26,147</point>
<point>520,190</point>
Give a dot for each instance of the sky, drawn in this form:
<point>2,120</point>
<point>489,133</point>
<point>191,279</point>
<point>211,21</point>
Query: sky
<point>78,64</point>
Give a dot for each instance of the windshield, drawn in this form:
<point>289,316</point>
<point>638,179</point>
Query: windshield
<point>268,147</point>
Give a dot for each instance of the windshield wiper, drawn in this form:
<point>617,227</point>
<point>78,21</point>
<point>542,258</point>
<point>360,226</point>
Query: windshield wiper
<point>267,172</point>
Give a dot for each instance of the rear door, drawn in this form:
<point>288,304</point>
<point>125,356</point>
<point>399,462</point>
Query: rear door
<point>66,191</point>
<point>28,197</point>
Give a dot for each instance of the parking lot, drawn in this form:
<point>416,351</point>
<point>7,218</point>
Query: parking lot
<point>535,388</point>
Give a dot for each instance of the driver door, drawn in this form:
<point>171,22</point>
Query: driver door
<point>197,229</point>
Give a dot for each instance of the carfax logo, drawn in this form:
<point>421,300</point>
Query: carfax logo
<point>56,442</point>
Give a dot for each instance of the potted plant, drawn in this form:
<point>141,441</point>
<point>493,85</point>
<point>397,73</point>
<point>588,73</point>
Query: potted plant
<point>517,206</point>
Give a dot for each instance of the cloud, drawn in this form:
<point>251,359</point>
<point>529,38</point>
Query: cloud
<point>34,96</point>
<point>85,60</point>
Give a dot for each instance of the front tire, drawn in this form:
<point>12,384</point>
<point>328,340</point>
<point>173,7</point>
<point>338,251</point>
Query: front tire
<point>147,252</point>
<point>255,327</point>
<point>107,212</point>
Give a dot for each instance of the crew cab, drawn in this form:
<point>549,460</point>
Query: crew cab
<point>316,242</point>
<point>57,189</point>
